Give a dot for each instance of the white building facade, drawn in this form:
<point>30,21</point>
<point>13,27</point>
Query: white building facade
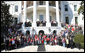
<point>58,11</point>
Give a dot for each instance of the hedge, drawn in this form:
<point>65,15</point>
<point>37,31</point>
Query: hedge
<point>79,39</point>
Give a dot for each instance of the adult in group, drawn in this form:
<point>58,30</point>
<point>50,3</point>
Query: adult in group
<point>7,42</point>
<point>63,41</point>
<point>67,42</point>
<point>71,42</point>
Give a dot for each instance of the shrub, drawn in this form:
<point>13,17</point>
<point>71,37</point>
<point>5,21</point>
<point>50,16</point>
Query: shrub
<point>79,39</point>
<point>82,45</point>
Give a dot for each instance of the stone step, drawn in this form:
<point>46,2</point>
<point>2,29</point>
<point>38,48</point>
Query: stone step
<point>45,48</point>
<point>57,48</point>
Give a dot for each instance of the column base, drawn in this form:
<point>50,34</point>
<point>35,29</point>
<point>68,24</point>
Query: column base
<point>23,28</point>
<point>48,24</point>
<point>34,24</point>
<point>59,24</point>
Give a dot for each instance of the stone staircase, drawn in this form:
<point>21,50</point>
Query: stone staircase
<point>48,48</point>
<point>24,49</point>
<point>57,48</point>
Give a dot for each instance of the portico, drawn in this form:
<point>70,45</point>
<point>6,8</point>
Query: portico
<point>42,12</point>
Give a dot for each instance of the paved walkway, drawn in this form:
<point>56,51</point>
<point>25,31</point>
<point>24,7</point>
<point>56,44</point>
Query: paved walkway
<point>41,48</point>
<point>45,48</point>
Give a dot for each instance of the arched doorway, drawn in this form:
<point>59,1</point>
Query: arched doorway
<point>27,32</point>
<point>41,31</point>
<point>54,32</point>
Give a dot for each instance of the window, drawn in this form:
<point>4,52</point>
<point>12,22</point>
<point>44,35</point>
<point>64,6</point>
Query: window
<point>32,18</point>
<point>16,8</point>
<point>22,8</point>
<point>50,18</point>
<point>52,3</point>
<point>29,3</point>
<point>67,20</point>
<point>66,7</point>
<point>41,18</point>
<point>75,7</point>
<point>41,2</point>
<point>76,20</point>
<point>15,20</point>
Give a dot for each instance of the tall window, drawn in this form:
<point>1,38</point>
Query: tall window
<point>66,7</point>
<point>76,20</point>
<point>75,7</point>
<point>16,8</point>
<point>29,3</point>
<point>52,3</point>
<point>32,18</point>
<point>15,20</point>
<point>41,18</point>
<point>50,18</point>
<point>67,20</point>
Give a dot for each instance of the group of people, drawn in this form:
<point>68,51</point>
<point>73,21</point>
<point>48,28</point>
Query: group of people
<point>54,23</point>
<point>28,24</point>
<point>41,23</point>
<point>16,39</point>
<point>20,40</point>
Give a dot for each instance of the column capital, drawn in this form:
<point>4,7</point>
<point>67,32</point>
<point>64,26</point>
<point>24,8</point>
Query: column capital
<point>47,3</point>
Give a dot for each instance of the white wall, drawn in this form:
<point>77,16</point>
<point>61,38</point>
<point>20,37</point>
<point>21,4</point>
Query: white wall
<point>30,16</point>
<point>71,13</point>
<point>53,15</point>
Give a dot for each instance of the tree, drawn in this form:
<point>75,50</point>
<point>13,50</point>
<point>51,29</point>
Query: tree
<point>6,18</point>
<point>81,9</point>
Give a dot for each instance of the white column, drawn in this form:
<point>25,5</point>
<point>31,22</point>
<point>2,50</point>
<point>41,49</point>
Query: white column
<point>34,13</point>
<point>13,9</point>
<point>20,9</point>
<point>21,13</point>
<point>47,14</point>
<point>57,13</point>
<point>24,18</point>
<point>62,11</point>
<point>57,17</point>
